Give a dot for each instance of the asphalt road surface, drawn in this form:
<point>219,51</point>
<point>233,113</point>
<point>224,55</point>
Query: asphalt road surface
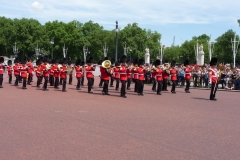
<point>74,125</point>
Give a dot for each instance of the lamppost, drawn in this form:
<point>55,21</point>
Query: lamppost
<point>37,51</point>
<point>85,52</point>
<point>52,42</point>
<point>210,48</point>
<point>64,51</point>
<point>15,50</point>
<point>116,40</point>
<point>234,48</point>
<point>161,50</point>
<point>125,48</point>
<point>105,50</point>
<point>196,51</point>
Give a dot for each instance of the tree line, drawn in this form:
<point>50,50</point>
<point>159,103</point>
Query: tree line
<point>28,33</point>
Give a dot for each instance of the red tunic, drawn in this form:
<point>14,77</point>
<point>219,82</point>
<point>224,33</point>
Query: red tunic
<point>158,73</point>
<point>116,74</point>
<point>123,73</point>
<point>78,72</point>
<point>104,74</point>
<point>89,71</point>
<point>141,73</point>
<point>23,72</point>
<point>187,73</point>
<point>135,73</point>
<point>51,71</point>
<point>153,74</point>
<point>1,69</point>
<point>173,74</point>
<point>44,70</point>
<point>212,75</point>
<point>30,67</point>
<point>16,70</point>
<point>129,73</point>
<point>165,75</point>
<point>63,72</point>
<point>38,71</point>
<point>10,69</point>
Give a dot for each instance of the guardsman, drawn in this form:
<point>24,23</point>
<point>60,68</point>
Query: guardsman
<point>30,70</point>
<point>141,76</point>
<point>51,72</point>
<point>187,71</point>
<point>63,74</point>
<point>38,72</point>
<point>19,67</point>
<point>105,75</point>
<point>24,72</point>
<point>101,80</point>
<point>129,77</point>
<point>112,76</point>
<point>153,77</point>
<point>123,75</point>
<point>135,75</point>
<point>10,70</point>
<point>89,73</point>
<point>83,72</point>
<point>71,68</point>
<point>78,73</point>
<point>173,74</point>
<point>116,74</point>
<point>213,78</point>
<point>165,75</point>
<point>158,73</point>
<point>2,67</point>
<point>45,69</point>
<point>56,74</point>
<point>16,71</point>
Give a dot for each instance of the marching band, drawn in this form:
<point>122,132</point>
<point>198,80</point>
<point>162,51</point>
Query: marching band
<point>120,72</point>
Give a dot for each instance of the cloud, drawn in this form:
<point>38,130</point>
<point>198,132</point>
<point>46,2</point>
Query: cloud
<point>37,5</point>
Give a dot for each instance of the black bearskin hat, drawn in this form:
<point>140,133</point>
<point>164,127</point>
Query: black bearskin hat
<point>166,61</point>
<point>45,59</point>
<point>173,63</point>
<point>1,59</point>
<point>117,64</point>
<point>82,63</point>
<point>135,61</point>
<point>69,62</point>
<point>78,62</point>
<point>213,61</point>
<point>100,62</point>
<point>64,61</point>
<point>123,59</point>
<point>105,58</point>
<point>56,60</point>
<point>90,60</point>
<point>157,62</point>
<point>9,62</point>
<point>141,62</point>
<point>38,62</point>
<point>24,60</point>
<point>186,62</point>
<point>15,60</point>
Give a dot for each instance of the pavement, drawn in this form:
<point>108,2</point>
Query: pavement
<point>73,125</point>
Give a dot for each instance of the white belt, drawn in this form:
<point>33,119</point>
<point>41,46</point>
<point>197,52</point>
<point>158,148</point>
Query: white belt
<point>141,74</point>
<point>123,73</point>
<point>158,75</point>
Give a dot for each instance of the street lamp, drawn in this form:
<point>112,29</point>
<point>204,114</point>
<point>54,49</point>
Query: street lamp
<point>64,51</point>
<point>210,48</point>
<point>15,50</point>
<point>116,30</point>
<point>85,52</point>
<point>37,51</point>
<point>105,51</point>
<point>52,42</point>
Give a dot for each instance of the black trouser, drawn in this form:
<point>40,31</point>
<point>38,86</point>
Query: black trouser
<point>56,83</point>
<point>41,79</point>
<point>111,83</point>
<point>90,81</point>
<point>1,79</point>
<point>17,79</point>
<point>129,80</point>
<point>101,82</point>
<point>223,83</point>
<point>123,88</point>
<point>159,88</point>
<point>154,84</point>
<point>51,80</point>
<point>195,78</point>
<point>117,83</point>
<point>20,79</point>
<point>136,85</point>
<point>30,78</point>
<point>38,81</point>
<point>187,84</point>
<point>10,78</point>
<point>24,82</point>
<point>234,83</point>
<point>60,82</point>
<point>45,82</point>
<point>82,81</point>
<point>213,90</point>
<point>140,86</point>
<point>173,85</point>
<point>64,82</point>
<point>105,86</point>
<point>70,79</point>
<point>78,83</point>
<point>164,88</point>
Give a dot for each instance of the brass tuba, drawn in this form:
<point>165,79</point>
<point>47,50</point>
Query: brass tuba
<point>107,65</point>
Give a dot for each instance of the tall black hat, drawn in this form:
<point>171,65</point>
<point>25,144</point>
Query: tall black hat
<point>78,62</point>
<point>15,60</point>
<point>56,60</point>
<point>64,61</point>
<point>1,59</point>
<point>213,61</point>
<point>173,63</point>
<point>123,59</point>
<point>9,62</point>
<point>157,62</point>
<point>82,63</point>
<point>166,61</point>
<point>100,62</point>
<point>24,60</point>
<point>105,58</point>
<point>29,59</point>
<point>45,59</point>
<point>141,62</point>
<point>117,63</point>
<point>69,62</point>
<point>135,61</point>
<point>38,62</point>
<point>20,59</point>
<point>186,62</point>
<point>90,60</point>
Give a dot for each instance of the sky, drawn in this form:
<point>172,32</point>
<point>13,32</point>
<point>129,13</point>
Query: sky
<point>181,19</point>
